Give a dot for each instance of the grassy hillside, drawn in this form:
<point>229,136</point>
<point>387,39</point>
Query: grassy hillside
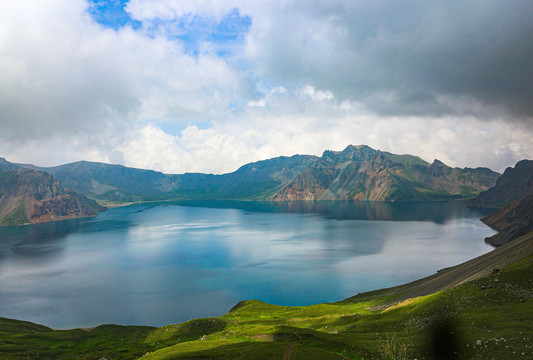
<point>24,340</point>
<point>406,159</point>
<point>487,313</point>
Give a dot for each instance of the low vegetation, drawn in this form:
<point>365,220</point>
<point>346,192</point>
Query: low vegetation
<point>490,317</point>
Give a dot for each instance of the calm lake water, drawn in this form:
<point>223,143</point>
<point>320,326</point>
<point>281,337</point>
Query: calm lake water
<point>162,263</point>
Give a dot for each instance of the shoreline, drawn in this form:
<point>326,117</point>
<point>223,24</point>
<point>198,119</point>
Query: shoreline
<point>443,279</point>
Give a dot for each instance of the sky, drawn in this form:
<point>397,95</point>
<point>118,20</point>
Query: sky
<point>210,85</point>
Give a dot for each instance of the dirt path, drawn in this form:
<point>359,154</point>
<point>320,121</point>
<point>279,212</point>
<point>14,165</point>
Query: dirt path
<point>288,351</point>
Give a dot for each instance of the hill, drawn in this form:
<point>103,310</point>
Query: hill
<point>31,196</point>
<point>514,192</point>
<point>513,221</point>
<point>362,173</point>
<point>356,173</point>
<point>514,184</point>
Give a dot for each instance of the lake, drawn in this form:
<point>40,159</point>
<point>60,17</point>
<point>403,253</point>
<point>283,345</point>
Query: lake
<point>162,263</point>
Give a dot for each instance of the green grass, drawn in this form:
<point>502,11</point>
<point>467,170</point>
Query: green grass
<point>23,340</point>
<point>499,313</point>
<point>406,159</point>
<point>16,218</point>
<point>190,330</point>
<point>495,312</point>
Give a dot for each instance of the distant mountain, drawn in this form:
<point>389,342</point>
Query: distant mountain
<point>515,184</point>
<point>356,173</point>
<point>32,196</point>
<point>362,173</point>
<point>254,181</point>
<point>112,182</point>
<point>513,221</point>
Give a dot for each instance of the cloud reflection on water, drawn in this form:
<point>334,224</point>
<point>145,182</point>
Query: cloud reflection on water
<point>149,264</point>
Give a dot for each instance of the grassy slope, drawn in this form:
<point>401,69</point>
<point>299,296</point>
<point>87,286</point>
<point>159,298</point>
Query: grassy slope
<point>487,306</point>
<point>24,340</point>
<point>406,159</point>
<point>16,218</point>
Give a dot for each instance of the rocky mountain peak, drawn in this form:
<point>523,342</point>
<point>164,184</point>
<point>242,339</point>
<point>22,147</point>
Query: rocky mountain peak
<point>6,165</point>
<point>351,153</point>
<point>438,163</point>
<point>515,184</point>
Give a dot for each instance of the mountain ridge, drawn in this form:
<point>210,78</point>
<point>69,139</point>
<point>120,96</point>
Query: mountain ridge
<point>513,194</point>
<point>513,221</point>
<point>516,183</point>
<point>29,196</point>
<point>362,173</point>
<point>355,173</point>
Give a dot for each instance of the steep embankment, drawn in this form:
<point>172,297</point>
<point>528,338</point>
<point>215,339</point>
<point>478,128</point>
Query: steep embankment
<point>362,173</point>
<point>514,192</point>
<point>31,196</point>
<point>514,184</point>
<point>513,221</point>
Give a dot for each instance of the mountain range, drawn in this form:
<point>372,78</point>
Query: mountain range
<point>356,173</point>
<point>362,173</point>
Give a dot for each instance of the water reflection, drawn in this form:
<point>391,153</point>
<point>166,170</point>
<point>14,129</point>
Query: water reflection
<point>159,263</point>
<point>32,241</point>
<point>438,212</point>
<point>42,241</point>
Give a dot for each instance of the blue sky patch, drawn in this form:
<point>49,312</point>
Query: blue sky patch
<point>192,29</point>
<point>111,13</point>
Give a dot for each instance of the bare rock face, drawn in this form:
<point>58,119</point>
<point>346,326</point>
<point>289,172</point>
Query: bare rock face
<point>513,193</point>
<point>356,173</point>
<point>362,173</point>
<point>513,221</point>
<point>515,184</point>
<point>32,196</point>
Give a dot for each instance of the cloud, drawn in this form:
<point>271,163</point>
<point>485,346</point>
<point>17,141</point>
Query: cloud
<point>223,147</point>
<point>411,58</point>
<point>401,57</point>
<point>64,73</point>
<point>238,81</point>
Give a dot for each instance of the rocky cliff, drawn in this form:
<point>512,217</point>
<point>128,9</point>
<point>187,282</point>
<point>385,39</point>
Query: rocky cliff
<point>356,173</point>
<point>362,173</point>
<point>515,184</point>
<point>513,221</point>
<point>31,196</point>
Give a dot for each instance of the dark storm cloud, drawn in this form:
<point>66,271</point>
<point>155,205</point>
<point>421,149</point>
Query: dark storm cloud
<point>409,57</point>
<point>208,85</point>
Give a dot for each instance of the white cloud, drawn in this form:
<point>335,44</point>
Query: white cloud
<point>305,79</point>
<point>316,95</point>
<point>227,145</point>
<point>171,9</point>
<point>257,103</point>
<point>64,73</point>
